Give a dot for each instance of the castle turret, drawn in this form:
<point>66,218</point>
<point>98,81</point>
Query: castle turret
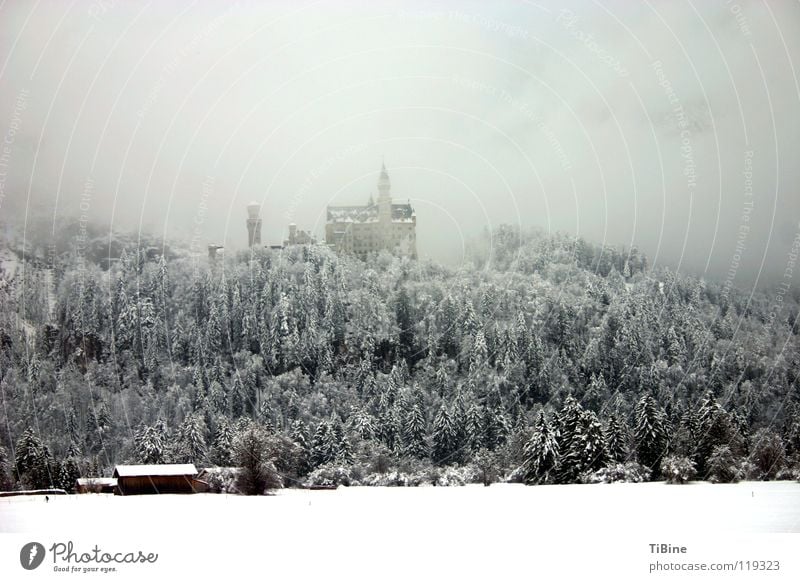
<point>384,197</point>
<point>253,224</point>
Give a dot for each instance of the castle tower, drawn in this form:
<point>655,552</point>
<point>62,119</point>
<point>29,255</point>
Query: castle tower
<point>253,224</point>
<point>384,197</point>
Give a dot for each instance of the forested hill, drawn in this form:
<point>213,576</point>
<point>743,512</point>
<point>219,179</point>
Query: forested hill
<point>546,359</point>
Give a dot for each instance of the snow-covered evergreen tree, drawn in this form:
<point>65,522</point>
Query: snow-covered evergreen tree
<point>68,474</point>
<point>150,446</point>
<point>444,438</point>
<point>191,445</point>
<point>586,450</point>
<point>6,480</point>
<point>222,447</point>
<point>541,454</point>
<point>363,425</point>
<point>617,439</point>
<point>414,433</point>
<point>650,433</point>
<point>34,462</point>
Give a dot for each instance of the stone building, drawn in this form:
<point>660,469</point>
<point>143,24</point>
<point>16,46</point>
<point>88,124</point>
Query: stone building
<point>253,224</point>
<point>299,237</point>
<point>376,226</point>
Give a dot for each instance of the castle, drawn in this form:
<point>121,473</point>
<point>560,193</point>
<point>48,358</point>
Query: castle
<point>355,230</point>
<point>360,230</point>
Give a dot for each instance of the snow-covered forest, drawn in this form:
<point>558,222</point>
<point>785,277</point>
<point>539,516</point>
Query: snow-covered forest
<point>544,360</point>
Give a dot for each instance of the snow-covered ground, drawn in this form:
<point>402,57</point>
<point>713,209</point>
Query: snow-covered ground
<point>744,507</point>
<point>455,531</point>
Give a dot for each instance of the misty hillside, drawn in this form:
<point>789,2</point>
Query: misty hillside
<point>545,360</point>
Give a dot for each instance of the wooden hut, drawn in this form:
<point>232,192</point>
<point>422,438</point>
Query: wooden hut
<point>144,479</point>
<point>95,485</point>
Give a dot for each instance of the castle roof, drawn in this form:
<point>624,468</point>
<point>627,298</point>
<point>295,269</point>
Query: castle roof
<point>369,213</point>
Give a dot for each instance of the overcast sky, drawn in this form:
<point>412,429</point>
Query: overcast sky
<point>672,126</point>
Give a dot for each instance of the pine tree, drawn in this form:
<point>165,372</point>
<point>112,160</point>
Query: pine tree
<point>587,448</point>
<point>389,430</point>
<point>98,423</point>
<point>299,434</point>
<point>237,398</point>
<point>541,454</point>
<point>596,394</point>
<point>149,445</point>
<point>716,428</point>
<point>222,448</point>
<point>650,433</point>
<point>324,446</point>
<point>568,429</point>
<point>616,436</point>
<point>73,427</point>
<point>340,447</point>
<point>461,440</point>
<point>444,438</point>
<point>414,433</point>
<point>479,356</point>
<point>495,427</point>
<point>687,436</point>
<point>191,446</point>
<point>69,472</point>
<point>363,425</point>
<point>6,480</point>
<point>34,462</point>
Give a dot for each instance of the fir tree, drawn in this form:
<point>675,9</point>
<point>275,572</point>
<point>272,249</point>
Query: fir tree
<point>68,474</point>
<point>299,434</point>
<point>716,428</point>
<point>444,438</point>
<point>191,446</point>
<point>616,437</point>
<point>587,449</point>
<point>541,454</point>
<point>341,445</point>
<point>414,433</point>
<point>324,447</point>
<point>150,445</point>
<point>474,428</point>
<point>222,448</point>
<point>495,427</point>
<point>568,429</point>
<point>363,425</point>
<point>650,433</point>
<point>6,480</point>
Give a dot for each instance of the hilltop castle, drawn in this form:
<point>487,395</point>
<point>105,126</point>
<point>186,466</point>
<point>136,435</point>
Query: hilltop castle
<point>360,230</point>
<point>355,230</point>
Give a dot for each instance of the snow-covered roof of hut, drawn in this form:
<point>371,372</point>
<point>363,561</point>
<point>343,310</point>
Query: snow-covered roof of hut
<point>96,481</point>
<point>154,470</point>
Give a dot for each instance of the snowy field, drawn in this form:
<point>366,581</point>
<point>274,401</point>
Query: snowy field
<point>750,507</point>
<point>482,531</point>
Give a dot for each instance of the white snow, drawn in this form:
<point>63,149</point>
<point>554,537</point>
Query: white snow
<point>460,533</point>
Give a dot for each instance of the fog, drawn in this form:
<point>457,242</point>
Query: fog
<point>669,126</point>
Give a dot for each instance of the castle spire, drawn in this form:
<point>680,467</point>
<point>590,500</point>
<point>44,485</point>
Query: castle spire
<point>384,185</point>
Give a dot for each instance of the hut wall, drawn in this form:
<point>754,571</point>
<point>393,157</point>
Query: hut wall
<point>155,484</point>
